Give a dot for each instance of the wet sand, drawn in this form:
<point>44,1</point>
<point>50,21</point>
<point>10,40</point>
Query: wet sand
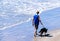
<point>54,36</point>
<point>26,34</point>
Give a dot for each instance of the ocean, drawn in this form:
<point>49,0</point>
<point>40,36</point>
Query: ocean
<point>16,18</point>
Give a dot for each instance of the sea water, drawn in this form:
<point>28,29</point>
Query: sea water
<point>16,18</point>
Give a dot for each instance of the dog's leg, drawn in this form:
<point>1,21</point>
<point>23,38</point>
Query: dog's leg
<point>41,33</point>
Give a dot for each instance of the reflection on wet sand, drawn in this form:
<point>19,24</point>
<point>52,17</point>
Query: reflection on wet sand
<point>38,39</point>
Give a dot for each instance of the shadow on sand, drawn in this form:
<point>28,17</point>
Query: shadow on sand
<point>47,35</point>
<point>40,37</point>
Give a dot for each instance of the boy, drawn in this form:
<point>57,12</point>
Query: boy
<point>35,22</point>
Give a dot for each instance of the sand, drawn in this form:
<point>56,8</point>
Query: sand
<point>54,36</point>
<point>16,35</point>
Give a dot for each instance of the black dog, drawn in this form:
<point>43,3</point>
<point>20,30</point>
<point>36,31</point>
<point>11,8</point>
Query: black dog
<point>43,30</point>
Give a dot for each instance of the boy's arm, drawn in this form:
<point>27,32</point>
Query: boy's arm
<point>40,21</point>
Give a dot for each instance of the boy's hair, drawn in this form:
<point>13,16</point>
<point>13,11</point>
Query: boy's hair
<point>37,12</point>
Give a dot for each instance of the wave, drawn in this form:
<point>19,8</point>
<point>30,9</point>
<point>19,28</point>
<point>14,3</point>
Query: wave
<point>17,7</point>
<point>26,7</point>
<point>18,23</point>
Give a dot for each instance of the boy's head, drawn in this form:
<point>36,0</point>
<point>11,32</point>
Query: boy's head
<point>37,12</point>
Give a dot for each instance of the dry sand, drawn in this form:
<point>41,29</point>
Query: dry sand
<point>54,36</point>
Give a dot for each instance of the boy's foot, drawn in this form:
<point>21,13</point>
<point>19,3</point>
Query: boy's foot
<point>34,35</point>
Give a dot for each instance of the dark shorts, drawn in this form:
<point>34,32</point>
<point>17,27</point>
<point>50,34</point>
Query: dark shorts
<point>36,26</point>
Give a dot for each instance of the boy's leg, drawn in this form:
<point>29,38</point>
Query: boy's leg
<point>35,32</point>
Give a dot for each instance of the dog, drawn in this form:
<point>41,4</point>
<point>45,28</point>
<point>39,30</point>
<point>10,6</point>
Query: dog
<point>43,30</point>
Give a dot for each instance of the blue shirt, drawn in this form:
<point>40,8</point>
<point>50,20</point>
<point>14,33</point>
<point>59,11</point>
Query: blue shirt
<point>36,20</point>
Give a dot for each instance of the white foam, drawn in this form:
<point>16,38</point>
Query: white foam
<point>18,23</point>
<point>25,7</point>
<point>29,7</point>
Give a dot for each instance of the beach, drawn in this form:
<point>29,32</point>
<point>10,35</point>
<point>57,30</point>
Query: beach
<point>21,29</point>
<point>55,36</point>
<point>26,33</point>
<point>16,19</point>
<point>17,34</point>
